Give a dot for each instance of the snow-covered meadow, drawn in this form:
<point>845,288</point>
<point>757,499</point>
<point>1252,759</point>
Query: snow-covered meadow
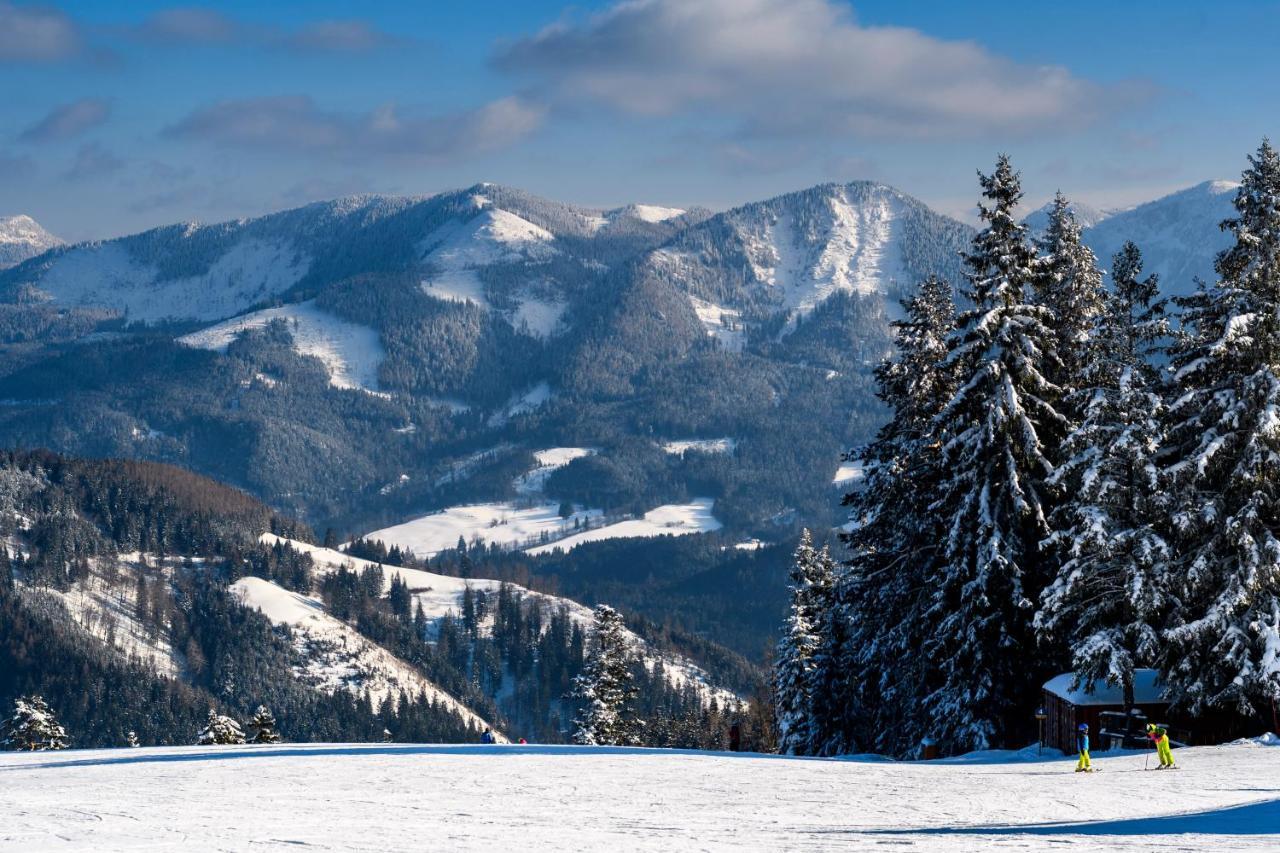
<point>405,797</point>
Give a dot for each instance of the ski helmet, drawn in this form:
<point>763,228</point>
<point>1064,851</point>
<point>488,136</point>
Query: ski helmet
<point>1084,727</point>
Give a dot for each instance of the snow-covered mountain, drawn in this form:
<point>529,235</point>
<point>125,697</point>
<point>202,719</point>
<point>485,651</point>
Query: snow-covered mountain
<point>1086,215</point>
<point>21,237</point>
<point>498,248</point>
<point>788,255</point>
<point>1178,234</point>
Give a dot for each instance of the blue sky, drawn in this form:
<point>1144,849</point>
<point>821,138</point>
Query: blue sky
<point>121,116</point>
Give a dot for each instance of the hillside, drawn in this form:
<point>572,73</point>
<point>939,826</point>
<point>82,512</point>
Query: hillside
<point>393,367</point>
<point>178,580</point>
<point>1178,234</point>
<point>593,798</point>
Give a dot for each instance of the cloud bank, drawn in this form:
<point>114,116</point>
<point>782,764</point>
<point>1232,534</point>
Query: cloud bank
<point>793,67</point>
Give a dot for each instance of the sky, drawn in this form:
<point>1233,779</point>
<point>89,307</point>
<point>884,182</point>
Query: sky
<point>118,116</point>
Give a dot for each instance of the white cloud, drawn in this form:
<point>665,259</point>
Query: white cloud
<point>296,124</point>
<point>797,67</point>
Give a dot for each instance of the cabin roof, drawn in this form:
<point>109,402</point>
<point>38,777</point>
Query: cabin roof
<point>1147,690</point>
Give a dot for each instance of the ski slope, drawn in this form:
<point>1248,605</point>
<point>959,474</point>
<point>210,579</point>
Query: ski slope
<point>394,797</point>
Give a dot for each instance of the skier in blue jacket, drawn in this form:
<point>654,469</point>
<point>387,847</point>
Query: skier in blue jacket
<point>488,737</point>
<point>1082,744</point>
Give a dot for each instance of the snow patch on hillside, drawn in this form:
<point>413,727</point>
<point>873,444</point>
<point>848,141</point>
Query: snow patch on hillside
<point>723,324</point>
<point>702,445</point>
<point>106,275</point>
<point>668,520</point>
<point>540,316</point>
<point>105,605</point>
<point>848,472</point>
<point>549,461</point>
<point>455,253</point>
<point>857,251</point>
<point>441,595</point>
<point>503,524</point>
<point>350,352</point>
<point>531,400</point>
<point>337,657</point>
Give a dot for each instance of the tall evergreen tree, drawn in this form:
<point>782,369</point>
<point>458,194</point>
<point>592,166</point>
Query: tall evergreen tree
<point>1223,647</point>
<point>1069,284</point>
<point>1106,602</point>
<point>33,727</point>
<point>606,687</point>
<point>793,682</point>
<point>883,594</point>
<point>994,433</point>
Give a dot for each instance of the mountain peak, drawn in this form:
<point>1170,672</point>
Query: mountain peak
<point>1087,215</point>
<point>21,237</point>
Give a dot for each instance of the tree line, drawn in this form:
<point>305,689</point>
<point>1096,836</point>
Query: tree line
<point>1072,477</point>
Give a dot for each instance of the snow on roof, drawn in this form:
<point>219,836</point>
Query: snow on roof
<point>1146,690</point>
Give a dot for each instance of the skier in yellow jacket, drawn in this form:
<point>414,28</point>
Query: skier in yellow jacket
<point>1160,737</point>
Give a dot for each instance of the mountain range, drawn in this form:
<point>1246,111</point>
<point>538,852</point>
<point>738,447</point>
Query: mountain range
<point>403,366</point>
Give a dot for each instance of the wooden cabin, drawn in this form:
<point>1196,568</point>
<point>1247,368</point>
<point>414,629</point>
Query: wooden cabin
<point>1065,709</point>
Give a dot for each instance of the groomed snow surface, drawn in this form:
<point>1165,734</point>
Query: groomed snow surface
<point>404,797</point>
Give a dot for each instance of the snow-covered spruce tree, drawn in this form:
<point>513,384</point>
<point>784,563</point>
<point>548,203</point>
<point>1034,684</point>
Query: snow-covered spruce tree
<point>1068,283</point>
<point>1107,600</point>
<point>263,727</point>
<point>605,688</point>
<point>1222,647</point>
<point>883,593</point>
<point>811,580</point>
<point>994,432</point>
<point>33,727</point>
<point>220,730</point>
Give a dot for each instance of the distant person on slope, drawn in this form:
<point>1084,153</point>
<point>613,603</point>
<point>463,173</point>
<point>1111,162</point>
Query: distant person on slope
<point>1082,744</point>
<point>488,737</point>
<point>1160,738</point>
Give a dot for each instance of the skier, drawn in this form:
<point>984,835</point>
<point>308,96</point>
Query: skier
<point>1082,744</point>
<point>487,737</point>
<point>1160,739</point>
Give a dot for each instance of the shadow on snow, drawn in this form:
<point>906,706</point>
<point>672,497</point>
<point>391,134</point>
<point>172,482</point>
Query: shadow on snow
<point>223,753</point>
<point>1259,818</point>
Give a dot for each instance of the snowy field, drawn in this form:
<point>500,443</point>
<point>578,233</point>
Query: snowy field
<point>402,797</point>
<point>503,524</point>
<point>666,520</point>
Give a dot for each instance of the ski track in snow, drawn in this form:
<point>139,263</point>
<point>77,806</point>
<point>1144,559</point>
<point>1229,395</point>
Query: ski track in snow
<point>383,798</point>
